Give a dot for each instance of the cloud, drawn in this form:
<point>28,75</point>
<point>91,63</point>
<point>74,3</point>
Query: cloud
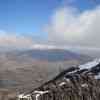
<point>13,40</point>
<point>68,26</point>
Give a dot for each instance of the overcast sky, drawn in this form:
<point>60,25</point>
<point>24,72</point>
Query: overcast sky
<point>58,22</point>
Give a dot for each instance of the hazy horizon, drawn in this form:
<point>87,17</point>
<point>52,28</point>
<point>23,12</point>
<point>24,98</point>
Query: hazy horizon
<point>54,23</point>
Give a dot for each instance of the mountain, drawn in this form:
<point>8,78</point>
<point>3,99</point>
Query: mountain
<point>73,83</point>
<point>22,69</point>
<point>52,55</point>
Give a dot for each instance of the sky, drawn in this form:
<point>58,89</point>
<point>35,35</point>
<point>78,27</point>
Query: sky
<point>57,22</point>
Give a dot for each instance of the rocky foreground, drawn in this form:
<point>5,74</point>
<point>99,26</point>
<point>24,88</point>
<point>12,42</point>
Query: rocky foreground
<point>74,83</point>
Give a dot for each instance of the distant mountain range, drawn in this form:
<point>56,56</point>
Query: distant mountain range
<point>50,55</point>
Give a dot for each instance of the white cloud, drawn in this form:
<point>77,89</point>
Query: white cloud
<point>13,40</point>
<point>68,26</point>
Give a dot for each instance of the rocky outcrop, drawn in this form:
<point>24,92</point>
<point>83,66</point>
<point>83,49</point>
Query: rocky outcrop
<point>75,83</point>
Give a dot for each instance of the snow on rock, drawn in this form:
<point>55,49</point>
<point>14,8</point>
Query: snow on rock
<point>90,64</point>
<point>97,76</point>
<point>84,85</point>
<point>62,83</point>
<point>41,92</point>
<point>37,96</point>
<point>22,96</point>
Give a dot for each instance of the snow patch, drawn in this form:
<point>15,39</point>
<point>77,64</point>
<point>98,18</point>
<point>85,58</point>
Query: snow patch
<point>89,65</point>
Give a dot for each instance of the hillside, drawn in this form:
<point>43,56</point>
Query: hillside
<point>74,83</point>
<point>23,69</point>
